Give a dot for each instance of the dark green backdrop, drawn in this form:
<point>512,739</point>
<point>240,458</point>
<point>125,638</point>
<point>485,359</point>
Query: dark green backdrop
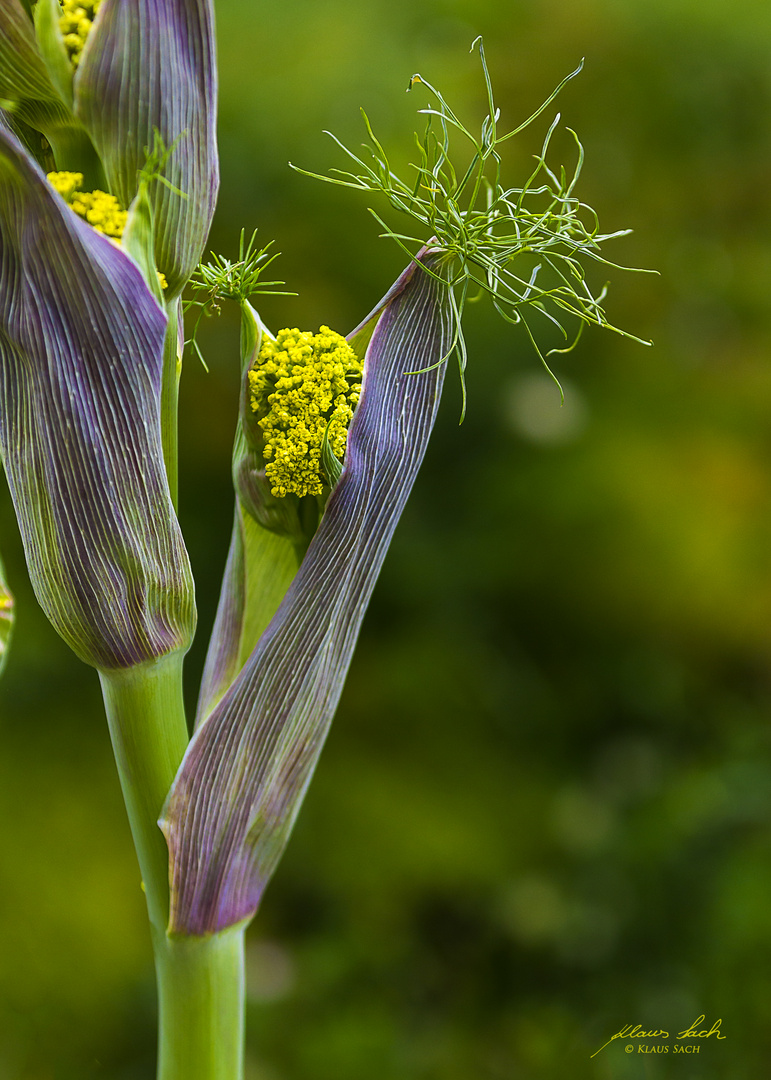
<point>543,811</point>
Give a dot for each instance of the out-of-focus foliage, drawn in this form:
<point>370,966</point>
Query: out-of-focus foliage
<point>543,812</point>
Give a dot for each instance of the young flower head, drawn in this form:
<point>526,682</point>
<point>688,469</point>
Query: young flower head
<point>304,387</point>
<point>101,210</point>
<point>75,23</point>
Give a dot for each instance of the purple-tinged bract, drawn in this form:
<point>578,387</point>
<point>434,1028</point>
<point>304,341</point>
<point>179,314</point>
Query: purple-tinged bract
<point>81,342</point>
<point>243,778</point>
<point>149,66</point>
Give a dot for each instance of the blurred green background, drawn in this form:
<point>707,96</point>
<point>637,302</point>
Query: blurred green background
<point>544,809</point>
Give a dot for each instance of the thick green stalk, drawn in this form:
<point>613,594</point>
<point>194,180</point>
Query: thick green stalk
<point>146,716</point>
<point>201,999</point>
<point>200,980</point>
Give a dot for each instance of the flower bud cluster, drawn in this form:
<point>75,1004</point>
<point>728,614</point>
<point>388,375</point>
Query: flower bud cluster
<point>75,24</point>
<point>306,387</point>
<point>100,210</point>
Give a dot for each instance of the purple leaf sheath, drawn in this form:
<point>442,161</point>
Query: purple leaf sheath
<point>150,65</point>
<point>81,341</point>
<point>242,781</point>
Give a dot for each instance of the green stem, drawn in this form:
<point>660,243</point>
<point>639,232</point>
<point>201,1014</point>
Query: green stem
<point>170,398</point>
<point>200,980</point>
<point>201,998</point>
<point>146,716</point>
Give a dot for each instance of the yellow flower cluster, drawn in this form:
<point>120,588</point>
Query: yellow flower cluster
<point>75,24</point>
<point>99,209</point>
<point>304,385</point>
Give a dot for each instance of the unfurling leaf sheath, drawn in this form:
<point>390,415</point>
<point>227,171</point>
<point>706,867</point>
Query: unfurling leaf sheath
<point>81,349</point>
<point>241,784</point>
<point>147,78</point>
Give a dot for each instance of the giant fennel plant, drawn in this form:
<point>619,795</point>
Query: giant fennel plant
<point>108,182</point>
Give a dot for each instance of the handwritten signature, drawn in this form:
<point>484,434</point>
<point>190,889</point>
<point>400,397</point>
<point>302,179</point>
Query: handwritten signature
<point>636,1031</point>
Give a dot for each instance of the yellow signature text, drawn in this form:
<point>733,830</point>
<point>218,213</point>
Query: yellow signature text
<point>636,1031</point>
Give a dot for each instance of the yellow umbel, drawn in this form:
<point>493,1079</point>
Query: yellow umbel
<point>102,211</point>
<point>303,385</point>
<point>75,25</point>
<point>99,209</point>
